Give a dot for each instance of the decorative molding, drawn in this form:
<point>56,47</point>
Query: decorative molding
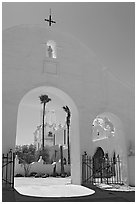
<point>50,66</point>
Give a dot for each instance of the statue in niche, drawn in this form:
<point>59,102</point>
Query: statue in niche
<point>50,52</point>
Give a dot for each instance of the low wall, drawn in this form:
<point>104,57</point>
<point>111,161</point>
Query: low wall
<point>40,167</point>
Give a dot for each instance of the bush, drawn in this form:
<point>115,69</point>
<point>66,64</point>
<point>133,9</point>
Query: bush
<point>33,174</point>
<point>19,175</point>
<point>45,175</point>
<point>37,175</point>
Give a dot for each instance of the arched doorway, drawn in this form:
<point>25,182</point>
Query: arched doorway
<point>98,161</point>
<point>74,129</point>
<point>99,154</point>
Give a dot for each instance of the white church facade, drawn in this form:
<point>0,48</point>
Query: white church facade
<point>52,135</point>
<point>102,106</point>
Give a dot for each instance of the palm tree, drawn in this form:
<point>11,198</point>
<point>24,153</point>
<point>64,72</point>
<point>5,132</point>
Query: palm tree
<point>44,99</point>
<point>67,110</point>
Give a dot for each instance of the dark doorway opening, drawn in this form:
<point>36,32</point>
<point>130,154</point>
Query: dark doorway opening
<point>98,163</point>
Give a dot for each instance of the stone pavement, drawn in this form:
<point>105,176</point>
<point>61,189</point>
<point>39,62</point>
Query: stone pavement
<point>50,187</point>
<point>9,195</point>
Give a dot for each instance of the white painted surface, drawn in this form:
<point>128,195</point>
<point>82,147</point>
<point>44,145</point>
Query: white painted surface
<point>131,162</point>
<point>88,88</point>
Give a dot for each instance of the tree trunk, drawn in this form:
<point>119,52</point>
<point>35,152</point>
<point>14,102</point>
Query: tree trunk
<point>43,127</point>
<point>54,139</point>
<point>68,145</point>
<point>61,155</point>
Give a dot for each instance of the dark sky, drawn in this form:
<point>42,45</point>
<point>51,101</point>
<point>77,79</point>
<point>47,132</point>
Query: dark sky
<point>107,28</point>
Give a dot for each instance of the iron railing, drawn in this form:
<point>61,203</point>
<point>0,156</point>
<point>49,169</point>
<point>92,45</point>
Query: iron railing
<point>104,170</point>
<point>8,162</point>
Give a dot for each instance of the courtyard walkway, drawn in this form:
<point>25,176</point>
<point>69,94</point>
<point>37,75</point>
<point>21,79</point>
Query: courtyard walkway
<point>50,187</point>
<point>100,195</point>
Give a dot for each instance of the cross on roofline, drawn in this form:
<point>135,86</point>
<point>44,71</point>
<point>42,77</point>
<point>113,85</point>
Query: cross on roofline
<point>50,21</point>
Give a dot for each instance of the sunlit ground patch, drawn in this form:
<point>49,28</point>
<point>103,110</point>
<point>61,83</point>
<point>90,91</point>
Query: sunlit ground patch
<point>116,187</point>
<point>52,187</point>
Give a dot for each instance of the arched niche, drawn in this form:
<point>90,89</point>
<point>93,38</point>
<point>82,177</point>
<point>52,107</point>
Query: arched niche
<point>103,128</point>
<point>51,49</point>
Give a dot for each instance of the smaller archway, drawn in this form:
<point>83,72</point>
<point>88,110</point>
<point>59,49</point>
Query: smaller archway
<point>99,153</point>
<point>98,160</point>
<point>108,134</point>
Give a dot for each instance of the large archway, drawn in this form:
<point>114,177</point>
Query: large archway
<point>74,130</point>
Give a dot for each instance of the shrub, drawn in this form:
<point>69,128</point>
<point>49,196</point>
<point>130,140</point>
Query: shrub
<point>45,175</point>
<point>33,174</point>
<point>19,175</point>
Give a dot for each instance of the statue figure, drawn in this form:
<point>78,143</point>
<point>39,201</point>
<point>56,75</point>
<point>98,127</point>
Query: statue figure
<point>50,52</point>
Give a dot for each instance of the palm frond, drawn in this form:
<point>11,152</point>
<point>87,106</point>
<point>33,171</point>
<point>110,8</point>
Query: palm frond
<point>44,98</point>
<point>66,109</point>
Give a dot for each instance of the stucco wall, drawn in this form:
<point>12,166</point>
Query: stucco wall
<point>78,74</point>
<point>23,61</point>
<point>131,163</point>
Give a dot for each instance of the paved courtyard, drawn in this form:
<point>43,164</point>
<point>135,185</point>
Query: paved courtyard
<point>100,195</point>
<point>50,187</point>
